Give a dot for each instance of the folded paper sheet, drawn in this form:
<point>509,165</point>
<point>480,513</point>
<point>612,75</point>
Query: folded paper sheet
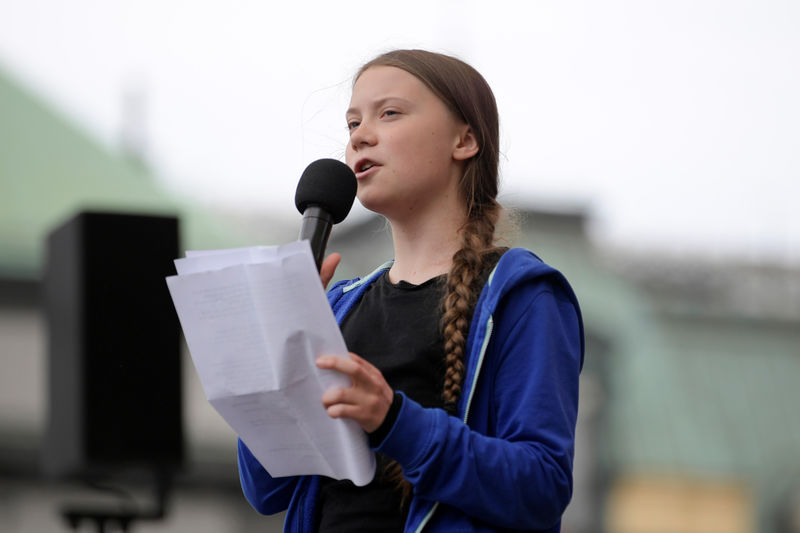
<point>255,320</point>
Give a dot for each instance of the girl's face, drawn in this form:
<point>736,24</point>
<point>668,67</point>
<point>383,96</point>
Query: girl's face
<point>405,146</point>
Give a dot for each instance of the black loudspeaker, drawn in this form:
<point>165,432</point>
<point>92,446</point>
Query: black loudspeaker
<point>114,371</point>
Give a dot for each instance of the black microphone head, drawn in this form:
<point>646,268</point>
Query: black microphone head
<point>329,184</point>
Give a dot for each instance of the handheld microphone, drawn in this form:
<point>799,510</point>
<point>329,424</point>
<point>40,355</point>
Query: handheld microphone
<point>324,196</point>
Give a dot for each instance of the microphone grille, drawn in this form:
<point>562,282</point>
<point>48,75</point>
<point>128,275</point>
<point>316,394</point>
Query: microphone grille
<point>329,184</point>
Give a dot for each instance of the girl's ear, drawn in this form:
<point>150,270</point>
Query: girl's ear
<point>467,145</point>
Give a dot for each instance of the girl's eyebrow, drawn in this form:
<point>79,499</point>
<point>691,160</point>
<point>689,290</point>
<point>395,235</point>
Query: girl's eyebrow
<point>378,103</point>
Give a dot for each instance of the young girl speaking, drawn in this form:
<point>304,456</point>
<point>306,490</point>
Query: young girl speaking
<point>466,378</point>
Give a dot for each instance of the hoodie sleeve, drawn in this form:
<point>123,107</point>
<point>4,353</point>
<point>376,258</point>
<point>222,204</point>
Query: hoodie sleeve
<point>515,470</point>
<point>266,494</point>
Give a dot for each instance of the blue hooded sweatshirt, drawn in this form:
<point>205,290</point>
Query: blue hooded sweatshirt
<point>504,463</point>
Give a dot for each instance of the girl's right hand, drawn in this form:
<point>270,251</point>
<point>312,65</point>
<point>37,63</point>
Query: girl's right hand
<point>328,268</point>
<point>367,400</point>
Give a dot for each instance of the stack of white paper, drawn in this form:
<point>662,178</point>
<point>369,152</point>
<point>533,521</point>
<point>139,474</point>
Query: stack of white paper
<point>255,320</point>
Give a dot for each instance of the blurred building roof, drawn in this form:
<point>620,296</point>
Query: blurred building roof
<point>50,169</point>
<point>714,389</point>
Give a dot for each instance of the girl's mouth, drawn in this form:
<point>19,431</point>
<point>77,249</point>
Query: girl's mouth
<point>364,167</point>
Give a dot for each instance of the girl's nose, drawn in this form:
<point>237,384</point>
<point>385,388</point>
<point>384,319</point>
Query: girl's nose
<point>362,135</point>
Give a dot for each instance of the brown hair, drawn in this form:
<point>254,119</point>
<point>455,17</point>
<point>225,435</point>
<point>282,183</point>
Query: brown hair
<point>469,97</point>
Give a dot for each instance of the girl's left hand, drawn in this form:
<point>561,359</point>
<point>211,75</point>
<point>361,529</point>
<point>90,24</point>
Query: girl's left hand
<point>367,401</point>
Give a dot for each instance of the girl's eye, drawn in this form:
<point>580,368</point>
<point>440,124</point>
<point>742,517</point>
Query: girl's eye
<point>390,112</point>
<point>351,125</point>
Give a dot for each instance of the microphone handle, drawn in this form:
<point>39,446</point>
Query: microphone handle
<point>317,224</point>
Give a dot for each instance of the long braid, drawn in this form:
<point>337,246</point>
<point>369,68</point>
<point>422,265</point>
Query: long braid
<point>463,288</point>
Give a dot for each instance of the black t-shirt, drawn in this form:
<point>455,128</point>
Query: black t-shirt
<point>396,328</point>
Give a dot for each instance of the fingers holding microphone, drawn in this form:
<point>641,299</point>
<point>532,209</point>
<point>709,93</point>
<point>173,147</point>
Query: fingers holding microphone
<point>328,268</point>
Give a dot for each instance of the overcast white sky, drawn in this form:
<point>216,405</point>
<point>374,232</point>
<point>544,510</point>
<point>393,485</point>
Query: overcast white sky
<point>677,123</point>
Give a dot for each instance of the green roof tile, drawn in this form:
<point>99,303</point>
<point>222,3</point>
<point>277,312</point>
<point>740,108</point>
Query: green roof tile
<point>50,169</point>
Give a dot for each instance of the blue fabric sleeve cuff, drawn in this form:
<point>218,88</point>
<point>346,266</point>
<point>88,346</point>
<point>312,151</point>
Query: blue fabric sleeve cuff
<point>377,436</point>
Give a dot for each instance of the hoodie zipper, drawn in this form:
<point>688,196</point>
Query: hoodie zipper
<point>486,338</point>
